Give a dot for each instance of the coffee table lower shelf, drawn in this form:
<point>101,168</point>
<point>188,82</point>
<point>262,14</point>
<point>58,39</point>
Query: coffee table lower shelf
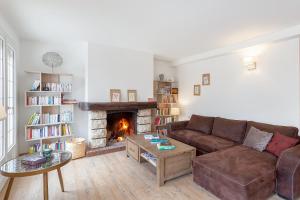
<point>168,165</point>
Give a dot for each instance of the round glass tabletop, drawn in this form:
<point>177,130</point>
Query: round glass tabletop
<point>15,167</point>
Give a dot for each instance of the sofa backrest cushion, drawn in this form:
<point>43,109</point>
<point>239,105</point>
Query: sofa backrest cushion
<point>284,130</point>
<point>201,123</point>
<point>257,139</point>
<point>233,130</point>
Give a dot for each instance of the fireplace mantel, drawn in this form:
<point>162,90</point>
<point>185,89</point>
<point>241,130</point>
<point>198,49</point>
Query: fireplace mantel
<point>109,106</point>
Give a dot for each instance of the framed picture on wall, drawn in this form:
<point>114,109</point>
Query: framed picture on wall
<point>197,90</point>
<point>205,79</point>
<point>132,95</point>
<point>115,95</point>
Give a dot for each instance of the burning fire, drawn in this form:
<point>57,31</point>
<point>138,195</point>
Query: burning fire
<point>119,139</point>
<point>123,125</point>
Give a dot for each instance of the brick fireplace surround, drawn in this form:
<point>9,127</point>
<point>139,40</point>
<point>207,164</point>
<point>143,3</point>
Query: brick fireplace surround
<point>97,122</point>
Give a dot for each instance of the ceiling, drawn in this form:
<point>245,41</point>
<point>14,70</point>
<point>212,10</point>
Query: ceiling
<point>170,28</point>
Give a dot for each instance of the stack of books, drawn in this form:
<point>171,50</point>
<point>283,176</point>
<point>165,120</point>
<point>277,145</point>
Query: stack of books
<point>165,146</point>
<point>158,141</point>
<point>33,159</point>
<point>162,144</point>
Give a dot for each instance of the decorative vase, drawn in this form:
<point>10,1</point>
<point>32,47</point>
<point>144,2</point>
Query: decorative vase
<point>47,154</point>
<point>161,77</point>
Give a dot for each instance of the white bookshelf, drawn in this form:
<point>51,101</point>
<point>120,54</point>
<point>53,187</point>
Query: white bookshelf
<point>51,85</point>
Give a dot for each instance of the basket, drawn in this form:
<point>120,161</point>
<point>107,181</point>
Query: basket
<point>77,147</point>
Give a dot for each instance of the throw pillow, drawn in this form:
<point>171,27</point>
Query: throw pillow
<point>257,139</point>
<point>279,143</point>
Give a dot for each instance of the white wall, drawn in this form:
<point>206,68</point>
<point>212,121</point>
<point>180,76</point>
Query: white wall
<point>269,94</point>
<point>96,70</point>
<point>164,67</point>
<point>74,55</point>
<point>117,68</point>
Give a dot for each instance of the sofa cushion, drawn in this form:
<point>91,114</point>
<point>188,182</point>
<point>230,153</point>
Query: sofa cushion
<point>279,143</point>
<point>185,135</point>
<point>257,139</point>
<point>201,123</point>
<point>229,129</point>
<point>236,173</point>
<point>285,130</point>
<point>210,143</point>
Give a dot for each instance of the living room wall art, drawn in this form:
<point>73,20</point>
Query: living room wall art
<point>115,95</point>
<point>205,79</point>
<point>197,90</point>
<point>132,95</point>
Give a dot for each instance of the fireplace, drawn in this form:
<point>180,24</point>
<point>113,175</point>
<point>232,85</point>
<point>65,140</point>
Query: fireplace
<point>120,125</point>
<point>110,123</point>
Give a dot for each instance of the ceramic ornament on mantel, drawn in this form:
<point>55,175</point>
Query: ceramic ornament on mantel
<point>52,59</point>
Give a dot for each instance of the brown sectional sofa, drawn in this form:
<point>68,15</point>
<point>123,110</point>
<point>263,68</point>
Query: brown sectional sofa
<point>233,171</point>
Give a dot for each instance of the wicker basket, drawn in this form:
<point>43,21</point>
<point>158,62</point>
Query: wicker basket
<point>77,147</point>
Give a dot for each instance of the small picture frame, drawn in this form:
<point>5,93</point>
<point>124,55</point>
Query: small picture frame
<point>174,90</point>
<point>115,95</point>
<point>197,90</point>
<point>132,95</point>
<point>205,79</point>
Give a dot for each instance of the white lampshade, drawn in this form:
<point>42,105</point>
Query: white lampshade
<point>2,112</point>
<point>175,111</point>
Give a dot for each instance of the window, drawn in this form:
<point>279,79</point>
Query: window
<point>7,97</point>
<point>10,96</point>
<point>2,139</point>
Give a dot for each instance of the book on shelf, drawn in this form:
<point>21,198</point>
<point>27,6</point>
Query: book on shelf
<point>44,132</point>
<point>34,159</point>
<point>164,90</point>
<point>168,99</point>
<point>48,118</point>
<point>65,129</point>
<point>57,87</point>
<point>43,100</point>
<point>34,119</point>
<point>148,156</point>
<point>66,116</point>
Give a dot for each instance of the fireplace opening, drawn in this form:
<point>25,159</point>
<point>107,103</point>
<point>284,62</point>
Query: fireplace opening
<point>120,125</point>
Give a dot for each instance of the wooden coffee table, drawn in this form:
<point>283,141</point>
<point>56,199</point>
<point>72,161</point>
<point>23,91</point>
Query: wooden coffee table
<point>169,163</point>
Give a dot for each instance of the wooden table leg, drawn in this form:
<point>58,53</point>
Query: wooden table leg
<point>60,180</point>
<point>11,180</point>
<point>45,183</point>
<point>160,172</point>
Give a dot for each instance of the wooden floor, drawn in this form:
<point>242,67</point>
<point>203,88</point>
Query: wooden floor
<point>109,177</point>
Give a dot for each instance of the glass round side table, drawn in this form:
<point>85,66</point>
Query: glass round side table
<point>14,168</point>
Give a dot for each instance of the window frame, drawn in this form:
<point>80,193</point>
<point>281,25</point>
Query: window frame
<point>6,150</point>
<point>3,136</point>
<point>8,46</point>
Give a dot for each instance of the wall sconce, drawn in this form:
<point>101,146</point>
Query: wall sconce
<point>250,63</point>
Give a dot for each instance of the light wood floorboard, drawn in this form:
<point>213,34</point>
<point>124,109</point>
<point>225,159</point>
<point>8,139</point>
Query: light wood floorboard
<point>109,177</point>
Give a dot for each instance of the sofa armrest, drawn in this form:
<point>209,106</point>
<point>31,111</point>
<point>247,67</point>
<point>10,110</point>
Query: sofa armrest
<point>177,125</point>
<point>288,173</point>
